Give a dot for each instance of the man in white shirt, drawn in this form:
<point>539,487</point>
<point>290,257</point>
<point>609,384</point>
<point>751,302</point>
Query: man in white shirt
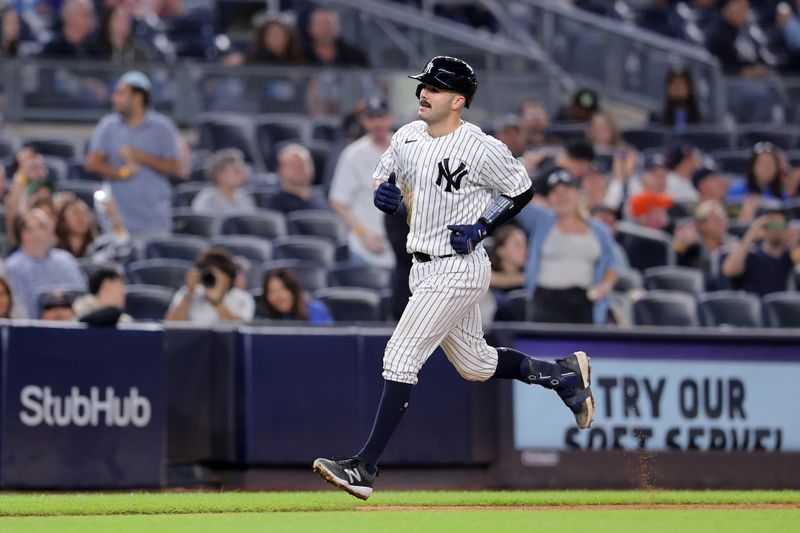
<point>351,189</point>
<point>226,170</point>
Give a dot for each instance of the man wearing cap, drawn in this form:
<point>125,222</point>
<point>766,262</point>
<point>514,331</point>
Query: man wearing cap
<point>351,188</point>
<point>37,266</point>
<point>576,159</point>
<point>137,151</point>
<point>711,185</point>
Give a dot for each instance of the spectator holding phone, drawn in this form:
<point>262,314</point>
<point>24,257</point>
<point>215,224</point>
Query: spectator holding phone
<point>764,259</point>
<point>209,294</point>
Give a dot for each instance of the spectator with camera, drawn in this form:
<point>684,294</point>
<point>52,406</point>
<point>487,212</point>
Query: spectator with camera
<point>226,170</point>
<point>38,266</point>
<point>766,256</point>
<point>209,294</point>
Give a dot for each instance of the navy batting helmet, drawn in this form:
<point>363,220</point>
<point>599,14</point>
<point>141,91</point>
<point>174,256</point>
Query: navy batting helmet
<point>450,74</point>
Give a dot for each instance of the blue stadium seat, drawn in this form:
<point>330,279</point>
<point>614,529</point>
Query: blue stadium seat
<point>187,222</point>
<point>81,189</point>
<point>780,135</point>
<point>357,276</point>
<point>228,130</point>
<point>253,248</point>
<point>276,128</point>
<point>163,272</point>
<point>708,138</point>
<point>348,304</point>
<point>262,223</point>
<point>730,308</point>
<point>311,275</point>
<point>318,223</point>
<point>516,307</point>
<point>647,137</point>
<point>9,145</point>
<point>732,161</point>
<point>148,302</point>
<point>645,247</point>
<point>184,247</point>
<point>782,309</point>
<point>66,148</point>
<point>183,194</point>
<point>665,308</point>
<point>674,278</point>
<point>306,248</point>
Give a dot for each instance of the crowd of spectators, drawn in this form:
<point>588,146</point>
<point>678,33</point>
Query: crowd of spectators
<point>603,211</point>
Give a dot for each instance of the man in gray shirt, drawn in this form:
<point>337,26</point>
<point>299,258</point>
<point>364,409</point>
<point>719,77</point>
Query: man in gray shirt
<point>137,150</point>
<point>37,267</point>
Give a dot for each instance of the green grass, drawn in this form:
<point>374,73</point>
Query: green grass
<point>334,511</point>
<point>29,504</point>
<point>467,521</point>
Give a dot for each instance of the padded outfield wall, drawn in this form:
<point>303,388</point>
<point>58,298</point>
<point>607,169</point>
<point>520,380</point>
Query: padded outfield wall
<point>105,408</point>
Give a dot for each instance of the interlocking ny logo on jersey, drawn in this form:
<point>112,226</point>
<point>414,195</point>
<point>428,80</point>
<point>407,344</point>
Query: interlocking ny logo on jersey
<point>453,178</point>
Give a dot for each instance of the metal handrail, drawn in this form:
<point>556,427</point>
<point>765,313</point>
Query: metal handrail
<point>628,31</point>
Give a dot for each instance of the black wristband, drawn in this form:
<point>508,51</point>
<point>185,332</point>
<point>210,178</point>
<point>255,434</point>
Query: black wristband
<point>504,208</point>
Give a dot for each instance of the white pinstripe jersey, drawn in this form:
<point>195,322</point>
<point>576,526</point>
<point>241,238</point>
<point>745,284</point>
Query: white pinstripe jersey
<point>450,179</point>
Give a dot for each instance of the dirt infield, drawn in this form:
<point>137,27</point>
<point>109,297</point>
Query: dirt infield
<point>637,507</point>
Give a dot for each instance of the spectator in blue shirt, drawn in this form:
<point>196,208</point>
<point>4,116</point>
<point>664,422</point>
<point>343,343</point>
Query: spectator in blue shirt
<point>283,299</point>
<point>37,266</point>
<point>137,151</point>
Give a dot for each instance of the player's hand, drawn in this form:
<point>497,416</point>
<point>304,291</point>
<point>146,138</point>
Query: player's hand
<point>465,237</point>
<point>388,196</point>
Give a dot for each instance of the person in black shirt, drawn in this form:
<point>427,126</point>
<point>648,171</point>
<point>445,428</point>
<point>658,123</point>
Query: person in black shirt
<point>764,267</point>
<point>296,170</point>
<point>76,40</point>
<point>326,47</point>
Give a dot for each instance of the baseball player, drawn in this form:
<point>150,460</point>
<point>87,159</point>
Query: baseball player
<point>458,185</point>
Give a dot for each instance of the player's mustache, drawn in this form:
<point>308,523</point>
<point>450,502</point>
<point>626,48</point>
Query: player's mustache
<point>424,103</point>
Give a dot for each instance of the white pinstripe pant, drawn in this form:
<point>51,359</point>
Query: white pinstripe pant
<point>443,310</point>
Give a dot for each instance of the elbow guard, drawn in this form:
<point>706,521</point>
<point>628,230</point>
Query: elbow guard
<point>504,208</point>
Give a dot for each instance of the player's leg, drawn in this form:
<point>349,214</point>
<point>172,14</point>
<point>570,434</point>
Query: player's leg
<point>475,360</point>
<point>441,293</point>
<point>569,377</point>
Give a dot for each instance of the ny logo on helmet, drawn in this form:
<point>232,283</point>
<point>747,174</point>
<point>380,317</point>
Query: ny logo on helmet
<point>453,178</point>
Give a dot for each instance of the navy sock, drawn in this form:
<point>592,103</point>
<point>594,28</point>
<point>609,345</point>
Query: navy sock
<point>394,402</point>
<point>513,364</point>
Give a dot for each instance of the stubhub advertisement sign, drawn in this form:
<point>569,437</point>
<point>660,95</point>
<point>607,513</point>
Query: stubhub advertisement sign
<point>82,407</point>
<point>662,404</point>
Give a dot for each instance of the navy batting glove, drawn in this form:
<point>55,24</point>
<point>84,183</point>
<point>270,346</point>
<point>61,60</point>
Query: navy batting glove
<point>388,196</point>
<point>465,237</point>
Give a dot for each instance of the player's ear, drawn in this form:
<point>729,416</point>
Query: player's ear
<point>457,102</point>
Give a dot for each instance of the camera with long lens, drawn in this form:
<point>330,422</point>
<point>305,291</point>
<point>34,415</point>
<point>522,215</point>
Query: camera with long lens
<point>208,279</point>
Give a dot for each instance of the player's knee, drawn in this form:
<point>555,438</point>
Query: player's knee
<point>473,374</point>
